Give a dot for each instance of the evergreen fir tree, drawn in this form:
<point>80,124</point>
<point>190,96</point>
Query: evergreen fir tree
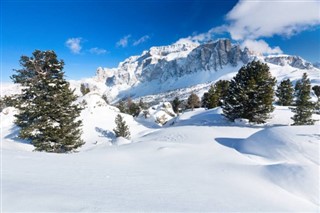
<point>222,88</point>
<point>285,93</point>
<point>142,105</point>
<point>84,89</point>
<point>132,108</point>
<point>193,101</point>
<point>304,106</point>
<point>250,94</point>
<point>121,130</point>
<point>214,97</point>
<point>205,100</point>
<point>47,116</point>
<point>121,106</point>
<point>176,104</point>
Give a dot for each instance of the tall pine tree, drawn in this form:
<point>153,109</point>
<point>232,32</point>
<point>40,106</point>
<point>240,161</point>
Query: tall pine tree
<point>250,94</point>
<point>47,113</point>
<point>285,93</point>
<point>304,106</point>
<point>122,129</point>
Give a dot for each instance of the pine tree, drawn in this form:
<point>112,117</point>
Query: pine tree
<point>132,108</point>
<point>205,100</point>
<point>121,130</point>
<point>176,104</point>
<point>304,106</point>
<point>142,105</point>
<point>250,94</point>
<point>285,93</point>
<point>216,94</point>
<point>84,89</point>
<point>213,97</point>
<point>193,101</point>
<point>121,106</point>
<point>222,88</point>
<point>47,116</point>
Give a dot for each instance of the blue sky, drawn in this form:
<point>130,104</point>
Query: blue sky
<point>93,33</point>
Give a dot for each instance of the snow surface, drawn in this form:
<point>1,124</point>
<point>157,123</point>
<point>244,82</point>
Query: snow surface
<point>196,162</point>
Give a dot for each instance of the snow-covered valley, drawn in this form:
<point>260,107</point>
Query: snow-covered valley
<point>198,161</point>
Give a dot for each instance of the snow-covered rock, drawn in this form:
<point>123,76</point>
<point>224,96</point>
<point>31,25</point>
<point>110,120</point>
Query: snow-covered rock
<point>159,114</point>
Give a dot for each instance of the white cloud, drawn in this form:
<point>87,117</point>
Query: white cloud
<point>249,21</point>
<point>256,19</point>
<point>141,40</point>
<point>123,42</point>
<point>98,51</point>
<point>74,44</point>
<point>260,46</point>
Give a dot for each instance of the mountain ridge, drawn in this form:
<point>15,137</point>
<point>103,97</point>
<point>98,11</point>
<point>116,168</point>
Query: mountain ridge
<point>183,65</point>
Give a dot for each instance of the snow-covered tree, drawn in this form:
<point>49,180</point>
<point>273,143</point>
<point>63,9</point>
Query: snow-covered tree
<point>285,93</point>
<point>304,106</point>
<point>250,93</point>
<point>47,113</point>
<point>193,101</point>
<point>122,129</point>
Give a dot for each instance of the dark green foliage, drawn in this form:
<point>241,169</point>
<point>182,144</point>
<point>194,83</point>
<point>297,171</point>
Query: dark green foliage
<point>285,93</point>
<point>316,90</point>
<point>216,94</point>
<point>142,105</point>
<point>193,101</point>
<point>132,108</point>
<point>121,130</point>
<point>129,107</point>
<point>121,106</point>
<point>176,104</point>
<point>210,99</point>
<point>250,94</point>
<point>304,106</point>
<point>9,101</point>
<point>47,116</point>
<point>84,89</point>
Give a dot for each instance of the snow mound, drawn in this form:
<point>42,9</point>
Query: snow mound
<point>285,144</point>
<point>291,158</point>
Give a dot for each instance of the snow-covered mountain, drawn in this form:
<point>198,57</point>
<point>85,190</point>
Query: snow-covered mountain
<point>161,72</point>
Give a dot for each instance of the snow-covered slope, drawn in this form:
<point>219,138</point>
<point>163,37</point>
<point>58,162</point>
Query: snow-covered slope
<point>198,162</point>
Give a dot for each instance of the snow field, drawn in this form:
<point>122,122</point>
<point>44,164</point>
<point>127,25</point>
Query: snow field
<point>197,162</point>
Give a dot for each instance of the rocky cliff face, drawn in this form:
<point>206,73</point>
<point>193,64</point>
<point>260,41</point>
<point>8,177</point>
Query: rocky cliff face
<point>293,61</point>
<point>175,61</point>
<point>183,65</point>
